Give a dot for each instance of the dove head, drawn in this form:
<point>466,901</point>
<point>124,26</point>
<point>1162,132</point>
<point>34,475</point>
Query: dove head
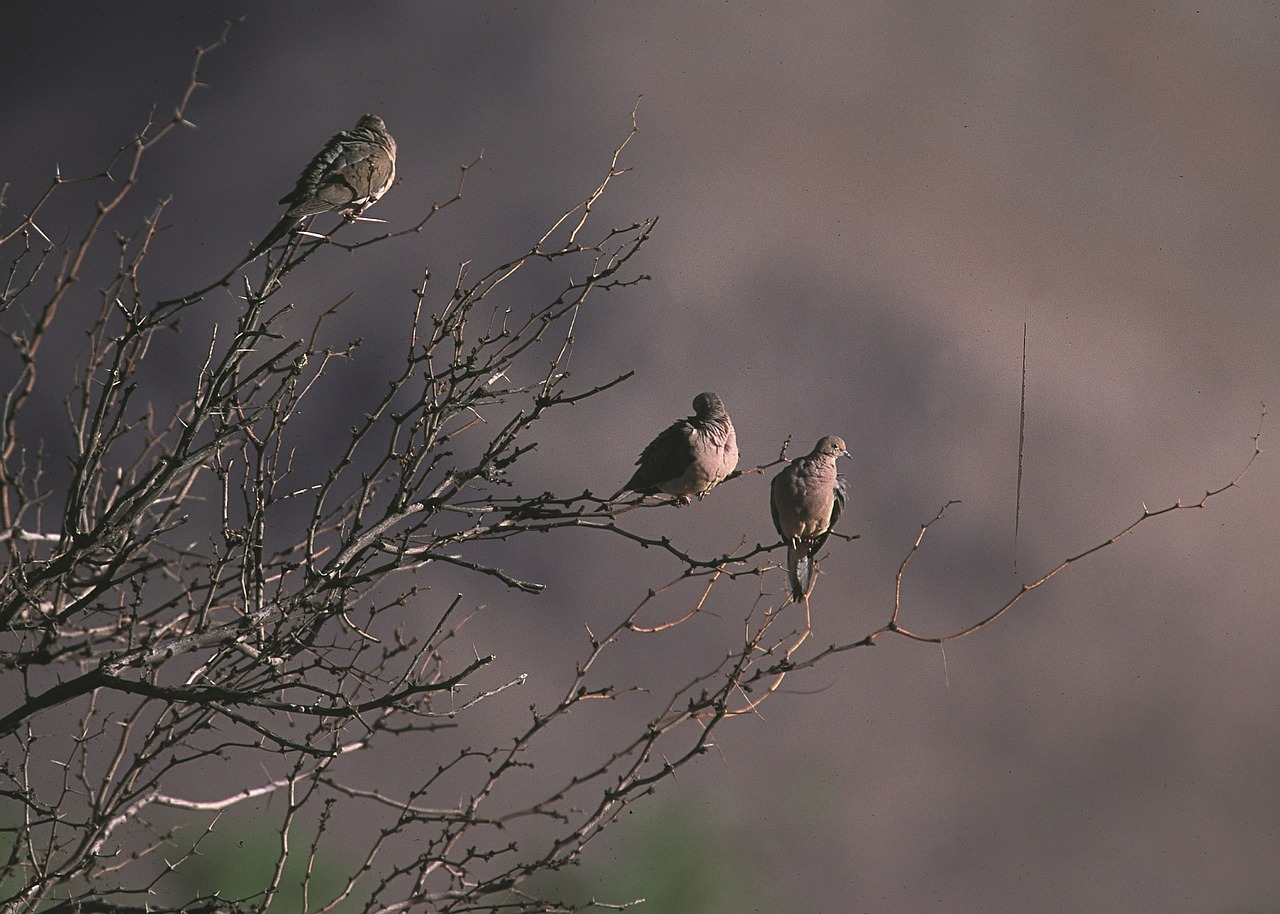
<point>707,404</point>
<point>830,447</point>
<point>374,129</point>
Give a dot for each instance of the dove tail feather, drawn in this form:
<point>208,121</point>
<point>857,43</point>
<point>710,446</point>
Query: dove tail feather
<point>282,228</point>
<point>800,572</point>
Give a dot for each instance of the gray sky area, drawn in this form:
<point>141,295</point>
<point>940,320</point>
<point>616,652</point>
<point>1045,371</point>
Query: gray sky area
<point>860,205</point>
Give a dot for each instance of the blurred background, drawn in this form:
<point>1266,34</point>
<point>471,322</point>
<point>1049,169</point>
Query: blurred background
<point>861,205</point>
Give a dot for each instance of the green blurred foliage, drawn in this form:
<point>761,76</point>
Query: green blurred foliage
<point>238,857</point>
<point>682,856</point>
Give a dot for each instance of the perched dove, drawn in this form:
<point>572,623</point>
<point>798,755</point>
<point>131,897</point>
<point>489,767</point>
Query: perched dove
<point>353,170</point>
<point>807,498</point>
<point>691,457</point>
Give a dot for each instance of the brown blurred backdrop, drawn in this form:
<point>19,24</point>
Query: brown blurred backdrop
<point>861,204</point>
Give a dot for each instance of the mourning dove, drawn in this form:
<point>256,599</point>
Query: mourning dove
<point>691,456</point>
<point>353,170</point>
<point>807,498</point>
